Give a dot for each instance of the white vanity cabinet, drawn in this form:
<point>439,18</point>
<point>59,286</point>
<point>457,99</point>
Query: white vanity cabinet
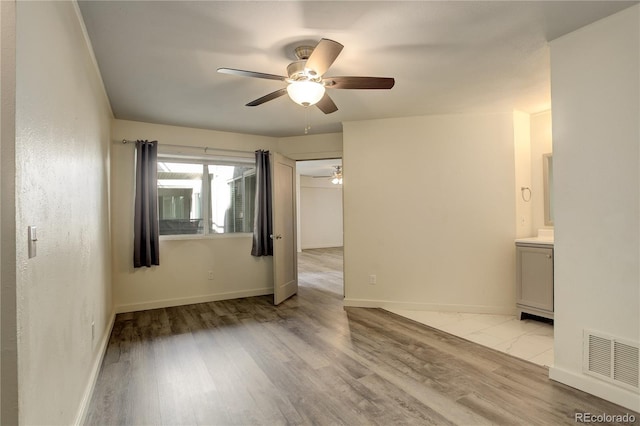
<point>534,278</point>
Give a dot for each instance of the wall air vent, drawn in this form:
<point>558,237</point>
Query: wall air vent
<point>611,359</point>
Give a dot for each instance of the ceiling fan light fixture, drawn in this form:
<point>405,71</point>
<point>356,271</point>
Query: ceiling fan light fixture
<point>337,175</point>
<point>305,92</point>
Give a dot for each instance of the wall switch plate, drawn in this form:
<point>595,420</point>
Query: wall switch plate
<point>32,239</point>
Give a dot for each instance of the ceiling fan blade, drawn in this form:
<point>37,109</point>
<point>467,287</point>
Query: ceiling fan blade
<point>326,104</point>
<point>322,57</point>
<point>266,98</point>
<point>244,73</point>
<point>359,82</point>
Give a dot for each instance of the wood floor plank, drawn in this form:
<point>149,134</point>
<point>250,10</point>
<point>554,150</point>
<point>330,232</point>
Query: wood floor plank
<point>311,361</point>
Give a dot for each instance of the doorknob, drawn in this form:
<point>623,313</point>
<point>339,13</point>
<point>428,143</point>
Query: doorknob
<point>276,237</point>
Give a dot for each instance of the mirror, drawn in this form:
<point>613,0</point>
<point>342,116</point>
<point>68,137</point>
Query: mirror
<point>547,175</point>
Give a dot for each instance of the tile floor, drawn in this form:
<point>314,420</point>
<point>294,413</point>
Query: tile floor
<point>527,339</point>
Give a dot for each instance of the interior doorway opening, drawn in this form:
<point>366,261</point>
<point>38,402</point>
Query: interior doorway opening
<point>320,222</point>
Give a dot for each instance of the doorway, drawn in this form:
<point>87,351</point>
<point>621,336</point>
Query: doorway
<point>320,223</point>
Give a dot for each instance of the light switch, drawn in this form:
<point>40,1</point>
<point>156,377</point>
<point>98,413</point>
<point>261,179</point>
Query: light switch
<point>33,238</point>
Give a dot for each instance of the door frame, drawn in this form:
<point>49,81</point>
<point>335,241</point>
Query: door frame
<point>299,210</point>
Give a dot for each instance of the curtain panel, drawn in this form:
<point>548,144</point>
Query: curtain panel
<point>262,225</point>
<point>146,248</point>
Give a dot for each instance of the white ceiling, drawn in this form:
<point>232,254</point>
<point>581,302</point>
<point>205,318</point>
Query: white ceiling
<point>159,59</point>
<point>317,167</point>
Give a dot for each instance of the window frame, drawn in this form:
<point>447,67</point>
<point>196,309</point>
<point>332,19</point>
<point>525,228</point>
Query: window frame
<point>206,161</point>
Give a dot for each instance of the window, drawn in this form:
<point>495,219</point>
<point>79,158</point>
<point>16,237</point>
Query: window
<point>205,197</point>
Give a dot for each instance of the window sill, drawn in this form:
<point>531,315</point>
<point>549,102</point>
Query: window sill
<point>205,237</point>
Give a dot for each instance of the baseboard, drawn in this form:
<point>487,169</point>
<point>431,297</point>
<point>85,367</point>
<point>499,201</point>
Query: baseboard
<point>95,371</point>
<point>623,397</point>
<point>412,306</point>
<point>166,303</point>
<point>321,246</point>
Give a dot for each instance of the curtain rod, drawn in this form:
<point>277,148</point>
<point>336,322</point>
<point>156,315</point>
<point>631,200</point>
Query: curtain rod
<point>205,148</point>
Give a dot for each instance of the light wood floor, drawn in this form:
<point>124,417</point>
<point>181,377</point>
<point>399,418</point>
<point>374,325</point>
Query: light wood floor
<point>309,361</point>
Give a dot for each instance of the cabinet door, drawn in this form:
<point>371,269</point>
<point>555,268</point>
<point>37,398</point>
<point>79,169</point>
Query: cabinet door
<point>535,277</point>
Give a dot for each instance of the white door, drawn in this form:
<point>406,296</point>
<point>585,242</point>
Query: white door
<point>285,264</point>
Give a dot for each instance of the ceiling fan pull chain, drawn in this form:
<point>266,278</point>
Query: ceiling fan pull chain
<point>307,125</point>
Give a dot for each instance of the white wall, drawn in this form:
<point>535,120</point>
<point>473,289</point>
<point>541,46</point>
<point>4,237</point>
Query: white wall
<point>62,170</point>
<point>182,276</point>
<point>429,207</point>
<point>320,213</point>
<point>541,143</point>
<point>595,105</point>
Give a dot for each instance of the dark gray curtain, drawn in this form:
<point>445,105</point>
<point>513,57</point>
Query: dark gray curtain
<point>145,225</point>
<point>262,228</point>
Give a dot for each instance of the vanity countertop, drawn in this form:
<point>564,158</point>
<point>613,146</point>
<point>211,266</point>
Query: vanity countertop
<point>536,240</point>
<point>545,236</point>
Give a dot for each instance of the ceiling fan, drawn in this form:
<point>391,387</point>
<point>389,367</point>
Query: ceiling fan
<point>305,79</point>
<point>335,176</point>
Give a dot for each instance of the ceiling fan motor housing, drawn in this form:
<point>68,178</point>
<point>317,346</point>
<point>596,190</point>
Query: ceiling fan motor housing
<point>303,52</point>
<point>297,71</point>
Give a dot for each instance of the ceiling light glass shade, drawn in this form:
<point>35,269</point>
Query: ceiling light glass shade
<point>305,93</point>
<point>335,181</point>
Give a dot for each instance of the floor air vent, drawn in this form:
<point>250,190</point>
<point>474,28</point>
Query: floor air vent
<point>611,359</point>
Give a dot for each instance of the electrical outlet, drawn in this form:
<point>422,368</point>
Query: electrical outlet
<point>372,279</point>
<point>93,331</point>
<point>210,275</point>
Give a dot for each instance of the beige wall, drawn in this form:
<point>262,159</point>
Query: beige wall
<point>541,143</point>
<point>182,276</point>
<point>597,175</point>
<point>62,170</point>
<point>311,147</point>
<point>429,209</point>
<point>8,348</point>
<point>522,161</point>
